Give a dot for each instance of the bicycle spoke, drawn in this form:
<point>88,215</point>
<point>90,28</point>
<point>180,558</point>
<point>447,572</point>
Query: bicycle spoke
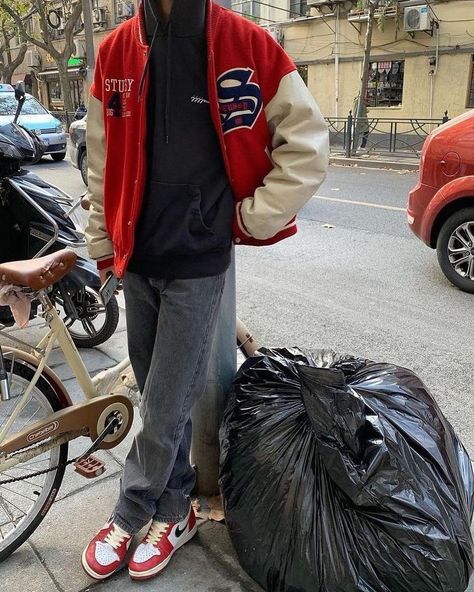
<point>23,481</point>
<point>31,499</point>
<point>29,419</point>
<point>23,466</point>
<point>22,501</point>
<point>11,504</point>
<point>5,509</point>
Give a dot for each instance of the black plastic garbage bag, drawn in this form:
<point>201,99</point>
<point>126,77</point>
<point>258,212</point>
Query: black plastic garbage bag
<point>342,475</point>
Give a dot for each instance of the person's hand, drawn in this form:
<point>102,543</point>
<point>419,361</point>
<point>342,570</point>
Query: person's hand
<point>104,274</point>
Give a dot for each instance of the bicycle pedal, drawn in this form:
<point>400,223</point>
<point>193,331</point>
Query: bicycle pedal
<point>89,467</point>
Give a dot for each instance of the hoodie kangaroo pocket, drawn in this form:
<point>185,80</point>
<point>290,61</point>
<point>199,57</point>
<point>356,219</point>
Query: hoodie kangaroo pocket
<point>171,222</point>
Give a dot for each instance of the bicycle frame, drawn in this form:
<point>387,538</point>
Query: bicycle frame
<point>57,333</point>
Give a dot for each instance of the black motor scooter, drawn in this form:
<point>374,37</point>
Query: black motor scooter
<point>37,218</point>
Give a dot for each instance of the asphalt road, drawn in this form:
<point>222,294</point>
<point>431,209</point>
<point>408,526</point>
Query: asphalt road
<point>363,286</point>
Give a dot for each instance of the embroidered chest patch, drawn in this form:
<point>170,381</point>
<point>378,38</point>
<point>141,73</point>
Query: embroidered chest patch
<point>240,100</point>
<point>120,92</point>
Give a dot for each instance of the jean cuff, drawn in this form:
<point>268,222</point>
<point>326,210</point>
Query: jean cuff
<point>174,517</point>
<point>127,527</point>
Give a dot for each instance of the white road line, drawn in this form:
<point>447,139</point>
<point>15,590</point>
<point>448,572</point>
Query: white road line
<point>360,203</point>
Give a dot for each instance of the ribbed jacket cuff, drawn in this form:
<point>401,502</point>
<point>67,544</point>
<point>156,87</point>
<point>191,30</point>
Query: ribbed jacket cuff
<point>105,262</point>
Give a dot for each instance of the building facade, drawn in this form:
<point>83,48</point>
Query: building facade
<point>421,63</point>
<point>39,70</point>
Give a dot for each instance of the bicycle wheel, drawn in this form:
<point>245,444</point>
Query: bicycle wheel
<point>24,504</point>
<point>96,323</point>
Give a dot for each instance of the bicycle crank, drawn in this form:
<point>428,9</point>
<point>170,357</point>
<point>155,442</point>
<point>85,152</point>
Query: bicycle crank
<point>86,465</point>
<point>89,418</point>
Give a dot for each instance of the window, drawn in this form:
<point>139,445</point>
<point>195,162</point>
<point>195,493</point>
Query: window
<point>298,8</point>
<point>470,96</point>
<point>124,9</point>
<point>385,85</point>
<point>250,9</point>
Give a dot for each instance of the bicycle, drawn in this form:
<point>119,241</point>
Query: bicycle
<point>37,416</point>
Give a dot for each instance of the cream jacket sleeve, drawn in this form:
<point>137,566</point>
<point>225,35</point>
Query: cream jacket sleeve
<point>300,154</point>
<point>99,245</point>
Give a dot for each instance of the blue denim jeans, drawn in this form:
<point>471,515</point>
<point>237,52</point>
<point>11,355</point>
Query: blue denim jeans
<point>171,325</point>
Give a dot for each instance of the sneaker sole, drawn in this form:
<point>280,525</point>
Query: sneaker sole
<point>90,572</point>
<point>146,575</point>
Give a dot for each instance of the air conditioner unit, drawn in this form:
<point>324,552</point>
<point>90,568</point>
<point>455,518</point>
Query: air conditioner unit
<point>79,49</point>
<point>417,18</point>
<point>99,17</point>
<point>277,34</point>
<point>32,59</point>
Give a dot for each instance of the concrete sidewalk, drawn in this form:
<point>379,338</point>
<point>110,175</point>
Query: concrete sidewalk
<point>395,162</point>
<point>50,560</point>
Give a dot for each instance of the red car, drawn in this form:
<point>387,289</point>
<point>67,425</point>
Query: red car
<point>441,206</point>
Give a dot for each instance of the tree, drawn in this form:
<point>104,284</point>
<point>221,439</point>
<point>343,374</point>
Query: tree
<point>59,50</point>
<point>9,63</point>
<point>375,10</point>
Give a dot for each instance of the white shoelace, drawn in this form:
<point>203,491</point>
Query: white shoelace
<point>116,537</point>
<point>156,532</point>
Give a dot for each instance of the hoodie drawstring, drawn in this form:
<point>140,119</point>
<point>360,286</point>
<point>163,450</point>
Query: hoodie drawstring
<point>168,74</point>
<point>147,63</point>
<point>168,84</point>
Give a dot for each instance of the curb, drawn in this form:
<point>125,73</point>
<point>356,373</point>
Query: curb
<point>375,164</point>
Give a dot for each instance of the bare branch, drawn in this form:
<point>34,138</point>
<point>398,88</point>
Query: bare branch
<point>21,26</point>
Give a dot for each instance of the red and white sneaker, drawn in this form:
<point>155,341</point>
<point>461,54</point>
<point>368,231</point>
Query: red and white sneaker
<point>155,551</point>
<point>105,554</point>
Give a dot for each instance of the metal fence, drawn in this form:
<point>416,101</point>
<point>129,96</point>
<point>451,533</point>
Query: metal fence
<point>380,135</point>
<point>65,117</point>
<point>377,135</point>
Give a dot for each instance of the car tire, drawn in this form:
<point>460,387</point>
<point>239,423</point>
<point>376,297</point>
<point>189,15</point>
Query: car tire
<point>83,166</point>
<point>58,156</point>
<point>455,248</point>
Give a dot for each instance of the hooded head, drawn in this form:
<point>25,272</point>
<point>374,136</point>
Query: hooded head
<point>187,17</point>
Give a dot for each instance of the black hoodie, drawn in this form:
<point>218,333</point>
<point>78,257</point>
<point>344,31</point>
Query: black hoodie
<point>185,226</point>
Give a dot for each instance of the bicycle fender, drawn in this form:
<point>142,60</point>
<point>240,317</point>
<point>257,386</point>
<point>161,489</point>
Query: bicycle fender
<point>51,377</point>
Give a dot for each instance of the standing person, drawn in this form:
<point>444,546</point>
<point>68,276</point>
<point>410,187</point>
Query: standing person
<point>200,132</point>
<point>81,111</point>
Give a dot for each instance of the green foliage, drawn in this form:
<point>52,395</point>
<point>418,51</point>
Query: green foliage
<point>381,7</point>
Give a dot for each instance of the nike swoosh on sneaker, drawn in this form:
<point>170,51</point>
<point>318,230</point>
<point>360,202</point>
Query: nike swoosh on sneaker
<point>178,532</point>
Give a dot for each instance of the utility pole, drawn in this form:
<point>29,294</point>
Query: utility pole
<point>89,34</point>
<point>208,412</point>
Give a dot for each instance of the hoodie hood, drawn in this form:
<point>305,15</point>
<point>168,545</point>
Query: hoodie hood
<point>187,18</point>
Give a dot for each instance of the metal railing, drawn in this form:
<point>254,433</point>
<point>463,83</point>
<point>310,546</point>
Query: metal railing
<point>381,135</point>
<point>377,135</point>
<point>65,117</point>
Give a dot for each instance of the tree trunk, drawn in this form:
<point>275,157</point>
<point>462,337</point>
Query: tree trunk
<point>13,64</point>
<point>65,85</point>
<point>361,108</point>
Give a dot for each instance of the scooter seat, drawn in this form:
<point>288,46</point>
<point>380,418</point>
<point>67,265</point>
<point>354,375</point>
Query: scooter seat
<point>40,273</point>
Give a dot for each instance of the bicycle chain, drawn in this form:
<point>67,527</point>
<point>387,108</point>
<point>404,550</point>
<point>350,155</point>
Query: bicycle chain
<point>43,472</point>
<point>112,424</point>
